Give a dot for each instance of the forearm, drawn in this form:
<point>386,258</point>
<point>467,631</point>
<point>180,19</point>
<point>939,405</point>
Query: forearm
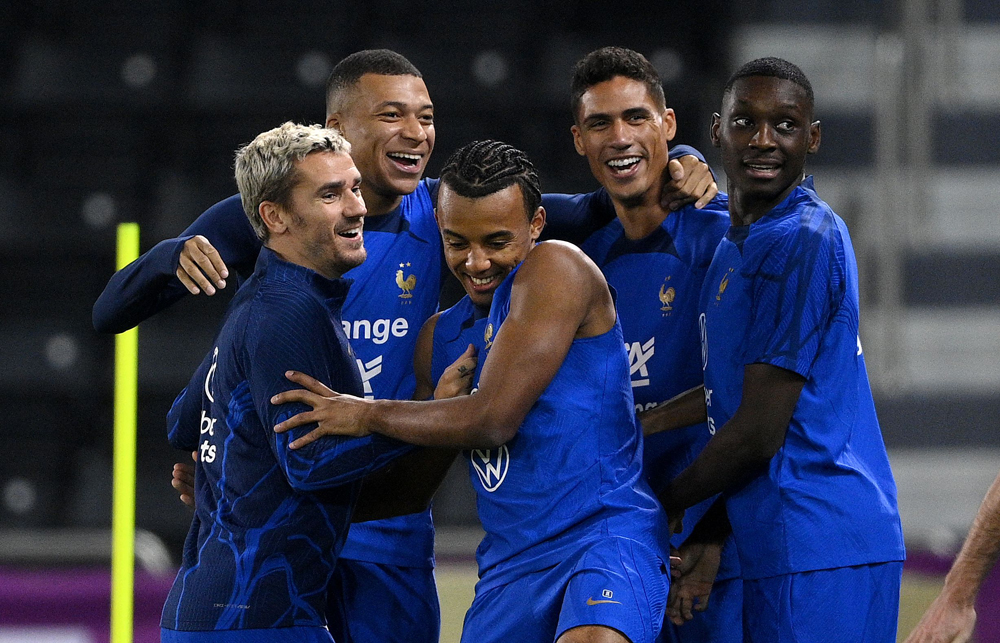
<point>465,422</point>
<point>714,526</point>
<point>680,411</point>
<point>738,452</point>
<point>405,486</point>
<point>140,289</point>
<point>979,552</point>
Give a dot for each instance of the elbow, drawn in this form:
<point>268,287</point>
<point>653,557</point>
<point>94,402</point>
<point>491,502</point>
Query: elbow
<point>495,432</point>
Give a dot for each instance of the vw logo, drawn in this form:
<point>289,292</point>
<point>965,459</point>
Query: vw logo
<point>491,465</point>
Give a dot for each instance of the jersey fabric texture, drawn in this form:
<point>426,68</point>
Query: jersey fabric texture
<point>784,291</point>
<point>456,328</point>
<point>659,280</point>
<point>572,476</point>
<point>269,521</point>
<point>616,583</point>
<point>270,635</point>
<point>825,606</point>
<point>395,291</point>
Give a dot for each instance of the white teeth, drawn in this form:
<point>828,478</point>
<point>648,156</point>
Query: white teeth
<point>481,282</point>
<point>408,157</point>
<point>623,163</point>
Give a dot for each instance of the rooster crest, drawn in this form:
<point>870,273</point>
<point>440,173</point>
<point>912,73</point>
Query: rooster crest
<point>667,296</point>
<point>406,285</point>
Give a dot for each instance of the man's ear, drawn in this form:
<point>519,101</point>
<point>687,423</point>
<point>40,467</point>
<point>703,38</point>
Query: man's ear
<point>578,140</point>
<point>273,216</point>
<point>537,223</point>
<point>714,130</point>
<point>335,121</point>
<point>669,123</point>
<point>814,137</point>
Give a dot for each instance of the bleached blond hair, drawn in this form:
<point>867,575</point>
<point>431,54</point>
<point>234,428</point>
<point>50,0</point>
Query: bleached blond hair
<point>265,167</point>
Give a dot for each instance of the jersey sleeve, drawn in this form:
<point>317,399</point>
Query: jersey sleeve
<point>795,294</point>
<point>148,285</point>
<point>184,416</point>
<point>298,334</point>
<point>574,217</point>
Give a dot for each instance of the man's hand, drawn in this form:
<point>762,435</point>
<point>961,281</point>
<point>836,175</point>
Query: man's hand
<point>944,622</point>
<point>687,180</point>
<point>183,480</point>
<point>200,267</point>
<point>457,378</point>
<point>691,580</point>
<point>336,414</point>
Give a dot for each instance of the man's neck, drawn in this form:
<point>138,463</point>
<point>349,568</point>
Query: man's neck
<point>640,220</point>
<point>745,209</point>
<point>379,204</point>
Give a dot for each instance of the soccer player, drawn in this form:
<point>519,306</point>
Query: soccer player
<point>270,522</point>
<point>797,452</point>
<point>952,615</point>
<point>378,100</point>
<point>656,259</point>
<point>573,537</point>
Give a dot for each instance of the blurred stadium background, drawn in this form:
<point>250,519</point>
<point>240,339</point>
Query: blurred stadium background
<point>122,110</point>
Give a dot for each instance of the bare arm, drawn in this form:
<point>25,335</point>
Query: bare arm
<point>952,615</point>
<point>678,412</point>
<point>545,317</point>
<point>743,447</point>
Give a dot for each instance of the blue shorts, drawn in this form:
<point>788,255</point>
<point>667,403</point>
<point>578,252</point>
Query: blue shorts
<point>844,604</point>
<point>376,603</point>
<point>722,622</point>
<point>617,583</point>
<point>263,635</point>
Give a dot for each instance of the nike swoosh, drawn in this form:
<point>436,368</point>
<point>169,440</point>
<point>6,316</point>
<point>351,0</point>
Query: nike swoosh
<point>591,601</point>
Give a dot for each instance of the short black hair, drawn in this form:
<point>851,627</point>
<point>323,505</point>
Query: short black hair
<point>482,168</point>
<point>381,62</point>
<point>606,63</point>
<point>774,68</point>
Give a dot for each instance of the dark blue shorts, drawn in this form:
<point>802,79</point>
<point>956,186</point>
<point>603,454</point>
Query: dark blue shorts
<point>722,622</point>
<point>378,603</point>
<point>831,605</point>
<point>616,583</point>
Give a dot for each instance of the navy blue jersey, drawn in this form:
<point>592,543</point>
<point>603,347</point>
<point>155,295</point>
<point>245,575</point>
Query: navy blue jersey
<point>572,475</point>
<point>269,522</point>
<point>784,291</point>
<point>456,328</point>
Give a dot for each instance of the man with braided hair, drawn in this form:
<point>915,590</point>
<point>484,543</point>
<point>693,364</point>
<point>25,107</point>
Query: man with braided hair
<point>571,551</point>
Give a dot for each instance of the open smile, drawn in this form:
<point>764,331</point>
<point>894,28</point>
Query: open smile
<point>624,167</point>
<point>406,162</point>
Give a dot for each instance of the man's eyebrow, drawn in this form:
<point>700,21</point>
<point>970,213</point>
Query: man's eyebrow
<point>332,185</point>
<point>400,105</point>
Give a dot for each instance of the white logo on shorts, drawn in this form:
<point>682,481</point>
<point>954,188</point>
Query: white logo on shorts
<point>491,465</point>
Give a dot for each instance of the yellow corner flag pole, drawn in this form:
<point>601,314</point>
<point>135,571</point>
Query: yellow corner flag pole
<point>123,504</point>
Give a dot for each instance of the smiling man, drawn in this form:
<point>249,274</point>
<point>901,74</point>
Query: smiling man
<point>575,543</point>
<point>378,100</point>
<point>798,453</point>
<point>270,522</point>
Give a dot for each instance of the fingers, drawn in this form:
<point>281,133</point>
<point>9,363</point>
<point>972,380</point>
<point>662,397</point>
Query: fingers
<point>676,169</point>
<point>306,439</point>
<point>200,267</point>
<point>310,383</point>
<point>307,417</point>
<point>297,395</point>
<point>708,189</point>
<point>182,480</point>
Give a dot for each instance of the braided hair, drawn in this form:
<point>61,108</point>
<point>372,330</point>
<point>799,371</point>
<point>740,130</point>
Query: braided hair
<point>482,168</point>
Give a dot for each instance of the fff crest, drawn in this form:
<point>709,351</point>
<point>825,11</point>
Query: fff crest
<point>723,285</point>
<point>488,336</point>
<point>405,284</point>
<point>667,296</point>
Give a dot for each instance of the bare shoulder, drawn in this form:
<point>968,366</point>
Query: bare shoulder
<point>557,260</point>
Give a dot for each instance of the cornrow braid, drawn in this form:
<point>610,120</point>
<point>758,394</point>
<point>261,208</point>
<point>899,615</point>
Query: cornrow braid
<point>482,168</point>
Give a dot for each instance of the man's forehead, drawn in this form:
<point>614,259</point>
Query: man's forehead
<point>382,88</point>
<point>752,90</point>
